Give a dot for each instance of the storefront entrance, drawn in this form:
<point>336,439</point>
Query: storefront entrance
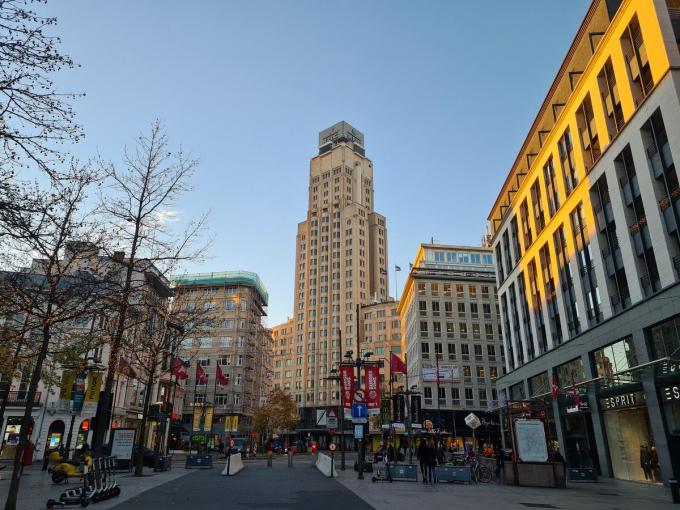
<point>632,451</point>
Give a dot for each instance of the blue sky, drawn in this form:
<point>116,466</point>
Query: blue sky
<point>444,92</point>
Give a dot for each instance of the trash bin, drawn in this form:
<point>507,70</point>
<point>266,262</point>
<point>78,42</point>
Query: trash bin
<point>675,490</point>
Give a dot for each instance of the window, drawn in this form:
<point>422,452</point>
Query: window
<point>569,172</point>
<point>611,101</point>
<point>423,328</point>
<point>590,142</point>
<point>551,187</point>
<point>469,395</point>
<point>427,392</point>
<point>636,219</point>
<point>666,338</point>
<point>228,324</point>
<point>571,370</point>
<point>526,225</point>
<point>537,206</point>
<point>225,341</point>
<point>635,55</point>
<point>614,358</point>
<point>425,348</point>
<point>206,342</point>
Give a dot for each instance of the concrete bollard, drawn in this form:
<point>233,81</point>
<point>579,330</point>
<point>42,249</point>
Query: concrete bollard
<point>269,458</point>
<point>290,459</point>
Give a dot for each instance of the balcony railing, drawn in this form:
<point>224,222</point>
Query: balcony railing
<point>20,398</point>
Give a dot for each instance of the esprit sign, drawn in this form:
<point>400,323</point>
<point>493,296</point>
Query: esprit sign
<point>620,401</point>
<point>670,393</point>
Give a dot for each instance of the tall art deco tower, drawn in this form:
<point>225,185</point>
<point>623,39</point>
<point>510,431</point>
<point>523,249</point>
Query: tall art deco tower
<point>341,261</point>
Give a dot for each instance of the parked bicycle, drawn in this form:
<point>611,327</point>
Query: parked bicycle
<point>478,472</point>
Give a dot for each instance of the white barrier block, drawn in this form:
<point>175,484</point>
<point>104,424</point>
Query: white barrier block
<point>323,464</point>
<point>235,465</point>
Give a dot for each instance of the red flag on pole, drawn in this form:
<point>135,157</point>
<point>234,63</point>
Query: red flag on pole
<point>179,370</point>
<point>577,397</point>
<point>396,364</point>
<point>555,389</point>
<point>201,377</point>
<point>221,379</point>
<point>126,369</point>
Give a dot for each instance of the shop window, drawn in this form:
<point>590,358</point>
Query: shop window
<point>570,371</point>
<point>666,338</point>
<point>539,384</point>
<point>615,358</point>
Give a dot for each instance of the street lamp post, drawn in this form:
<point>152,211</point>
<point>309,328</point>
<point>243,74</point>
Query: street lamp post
<point>335,376</point>
<point>358,362</point>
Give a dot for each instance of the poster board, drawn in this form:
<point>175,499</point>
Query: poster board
<point>122,442</point>
<point>531,442</point>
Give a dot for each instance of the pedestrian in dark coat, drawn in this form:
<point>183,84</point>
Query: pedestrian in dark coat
<point>421,453</point>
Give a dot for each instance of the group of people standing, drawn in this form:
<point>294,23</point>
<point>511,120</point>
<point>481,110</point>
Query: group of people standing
<point>429,456</point>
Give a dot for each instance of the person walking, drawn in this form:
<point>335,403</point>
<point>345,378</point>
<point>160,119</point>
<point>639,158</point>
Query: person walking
<point>421,453</point>
<point>431,460</point>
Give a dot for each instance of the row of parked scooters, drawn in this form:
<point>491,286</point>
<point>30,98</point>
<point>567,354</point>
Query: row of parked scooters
<point>99,483</point>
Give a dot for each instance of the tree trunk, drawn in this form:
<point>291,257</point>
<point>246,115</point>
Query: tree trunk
<point>13,493</point>
<point>139,464</point>
<point>3,405</point>
<point>103,421</point>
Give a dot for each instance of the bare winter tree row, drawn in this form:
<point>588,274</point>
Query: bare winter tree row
<point>86,250</point>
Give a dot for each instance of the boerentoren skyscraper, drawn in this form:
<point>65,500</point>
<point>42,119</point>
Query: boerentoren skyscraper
<point>341,261</point>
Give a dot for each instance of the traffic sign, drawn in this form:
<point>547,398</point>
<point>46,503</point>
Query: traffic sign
<point>358,431</point>
<point>359,396</point>
<point>332,447</point>
<point>359,412</point>
<point>331,420</point>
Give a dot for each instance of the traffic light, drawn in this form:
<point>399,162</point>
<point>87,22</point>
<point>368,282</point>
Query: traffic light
<point>85,425</point>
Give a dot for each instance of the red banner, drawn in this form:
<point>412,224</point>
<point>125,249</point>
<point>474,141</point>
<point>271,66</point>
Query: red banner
<point>372,390</point>
<point>347,385</point>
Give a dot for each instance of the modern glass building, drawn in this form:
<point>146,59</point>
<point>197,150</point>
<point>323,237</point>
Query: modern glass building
<point>587,247</point>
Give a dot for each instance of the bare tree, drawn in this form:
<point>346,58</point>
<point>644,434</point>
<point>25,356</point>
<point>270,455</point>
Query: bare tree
<point>35,119</point>
<point>139,199</point>
<point>59,287</point>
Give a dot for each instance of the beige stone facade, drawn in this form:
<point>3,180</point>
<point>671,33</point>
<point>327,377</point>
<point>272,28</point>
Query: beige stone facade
<point>341,262</point>
<point>450,319</point>
<point>231,306</point>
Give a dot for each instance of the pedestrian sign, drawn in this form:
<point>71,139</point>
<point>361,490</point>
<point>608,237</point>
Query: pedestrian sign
<point>358,431</point>
<point>359,412</point>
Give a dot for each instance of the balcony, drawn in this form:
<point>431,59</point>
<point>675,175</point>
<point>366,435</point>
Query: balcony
<point>20,398</point>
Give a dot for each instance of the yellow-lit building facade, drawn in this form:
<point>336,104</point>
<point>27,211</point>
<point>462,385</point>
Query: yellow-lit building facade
<point>587,247</point>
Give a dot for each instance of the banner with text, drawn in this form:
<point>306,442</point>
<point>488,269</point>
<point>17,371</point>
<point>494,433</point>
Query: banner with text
<point>347,385</point>
<point>94,383</point>
<point>372,382</point>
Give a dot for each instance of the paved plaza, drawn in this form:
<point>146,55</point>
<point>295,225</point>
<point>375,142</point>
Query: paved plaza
<point>304,487</point>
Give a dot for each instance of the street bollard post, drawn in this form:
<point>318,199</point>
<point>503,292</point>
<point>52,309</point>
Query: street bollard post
<point>269,458</point>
